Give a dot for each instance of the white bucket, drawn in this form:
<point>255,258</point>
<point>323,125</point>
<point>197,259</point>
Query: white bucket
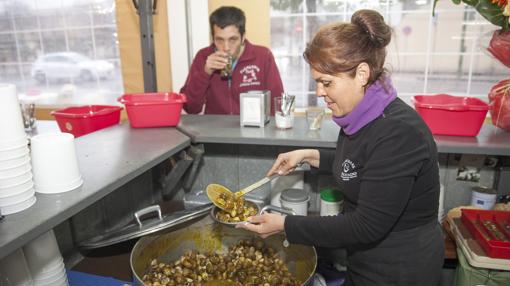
<point>484,198</point>
<point>296,200</point>
<point>281,183</point>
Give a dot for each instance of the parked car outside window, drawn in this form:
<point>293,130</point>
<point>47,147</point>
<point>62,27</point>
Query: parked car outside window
<point>70,65</point>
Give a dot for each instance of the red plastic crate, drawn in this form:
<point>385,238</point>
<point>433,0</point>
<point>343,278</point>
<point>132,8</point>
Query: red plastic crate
<point>451,115</point>
<point>496,246</point>
<point>81,120</point>
<point>153,109</point>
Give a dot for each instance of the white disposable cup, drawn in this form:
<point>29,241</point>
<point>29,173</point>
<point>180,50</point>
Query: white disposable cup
<point>54,161</point>
<point>61,188</point>
<point>13,143</point>
<point>50,278</point>
<point>14,153</point>
<point>11,121</point>
<point>51,268</point>
<point>42,253</point>
<point>16,208</point>
<point>17,198</point>
<point>16,170</point>
<point>54,279</point>
<point>14,269</point>
<point>16,189</point>
<point>15,180</point>
<point>7,164</point>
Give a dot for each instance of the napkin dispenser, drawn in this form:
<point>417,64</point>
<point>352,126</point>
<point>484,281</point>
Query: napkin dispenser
<point>255,107</point>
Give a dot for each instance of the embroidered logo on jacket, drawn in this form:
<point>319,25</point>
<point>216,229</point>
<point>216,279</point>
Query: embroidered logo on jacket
<point>348,172</point>
<point>249,74</point>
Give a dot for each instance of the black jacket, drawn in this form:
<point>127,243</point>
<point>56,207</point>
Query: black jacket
<point>389,174</point>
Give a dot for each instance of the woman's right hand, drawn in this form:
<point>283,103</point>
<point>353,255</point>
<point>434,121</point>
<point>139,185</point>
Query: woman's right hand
<point>287,162</point>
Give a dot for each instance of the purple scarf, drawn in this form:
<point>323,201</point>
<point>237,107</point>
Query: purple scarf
<point>371,106</point>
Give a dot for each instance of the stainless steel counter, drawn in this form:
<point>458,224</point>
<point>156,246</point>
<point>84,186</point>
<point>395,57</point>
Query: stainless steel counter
<point>107,159</point>
<point>225,129</point>
<point>111,157</point>
<point>490,141</point>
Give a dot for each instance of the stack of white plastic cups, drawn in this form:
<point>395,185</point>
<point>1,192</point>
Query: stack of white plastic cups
<point>16,186</point>
<point>54,162</point>
<point>14,270</point>
<point>45,262</point>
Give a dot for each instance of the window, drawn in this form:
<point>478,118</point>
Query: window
<point>427,55</point>
<point>61,52</point>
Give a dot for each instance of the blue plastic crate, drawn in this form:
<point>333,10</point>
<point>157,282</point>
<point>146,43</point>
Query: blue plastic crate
<point>76,278</point>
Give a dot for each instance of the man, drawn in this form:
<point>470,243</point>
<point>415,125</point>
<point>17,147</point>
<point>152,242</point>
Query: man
<point>252,67</point>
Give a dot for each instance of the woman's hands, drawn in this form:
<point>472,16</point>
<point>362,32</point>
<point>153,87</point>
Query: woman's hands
<point>287,162</point>
<point>265,224</point>
<point>268,224</point>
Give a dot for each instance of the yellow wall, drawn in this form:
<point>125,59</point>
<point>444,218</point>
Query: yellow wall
<point>128,30</point>
<point>257,18</point>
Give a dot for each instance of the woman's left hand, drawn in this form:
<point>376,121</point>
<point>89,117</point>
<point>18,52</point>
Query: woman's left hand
<point>265,224</point>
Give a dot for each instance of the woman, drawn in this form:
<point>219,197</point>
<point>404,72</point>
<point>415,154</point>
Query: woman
<point>385,162</point>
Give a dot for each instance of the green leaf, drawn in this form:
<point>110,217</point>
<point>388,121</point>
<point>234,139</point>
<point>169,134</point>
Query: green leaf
<point>456,1</point>
<point>492,12</point>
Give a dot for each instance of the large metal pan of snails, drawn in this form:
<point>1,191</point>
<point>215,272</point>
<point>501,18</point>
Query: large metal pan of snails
<point>219,255</point>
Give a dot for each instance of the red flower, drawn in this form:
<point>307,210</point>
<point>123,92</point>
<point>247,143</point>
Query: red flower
<point>500,3</point>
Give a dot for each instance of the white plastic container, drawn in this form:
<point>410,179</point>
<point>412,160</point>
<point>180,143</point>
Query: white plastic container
<point>483,197</point>
<point>296,200</point>
<point>293,180</point>
<point>332,202</point>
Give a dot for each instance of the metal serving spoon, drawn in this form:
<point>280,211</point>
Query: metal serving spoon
<point>221,195</point>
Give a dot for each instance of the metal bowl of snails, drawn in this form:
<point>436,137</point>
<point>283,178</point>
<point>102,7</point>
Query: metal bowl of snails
<point>236,215</point>
<point>249,208</point>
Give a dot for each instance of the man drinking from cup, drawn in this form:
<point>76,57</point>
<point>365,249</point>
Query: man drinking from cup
<point>229,66</point>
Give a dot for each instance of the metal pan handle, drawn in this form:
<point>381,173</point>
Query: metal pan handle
<point>277,209</point>
<point>147,210</point>
<point>280,210</point>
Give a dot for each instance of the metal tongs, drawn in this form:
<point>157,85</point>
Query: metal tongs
<point>287,103</point>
